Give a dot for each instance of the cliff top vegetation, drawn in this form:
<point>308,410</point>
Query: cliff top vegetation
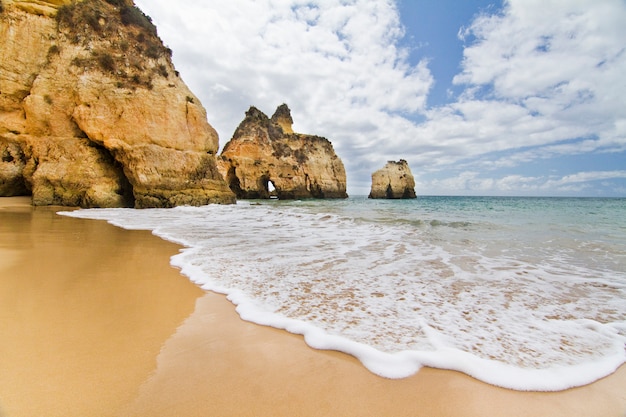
<point>120,38</point>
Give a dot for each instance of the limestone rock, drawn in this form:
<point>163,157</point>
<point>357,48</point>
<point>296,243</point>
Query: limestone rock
<point>394,180</point>
<point>12,164</point>
<point>265,151</point>
<point>282,117</point>
<point>93,113</point>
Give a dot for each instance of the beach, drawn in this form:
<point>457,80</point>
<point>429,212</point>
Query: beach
<point>94,321</point>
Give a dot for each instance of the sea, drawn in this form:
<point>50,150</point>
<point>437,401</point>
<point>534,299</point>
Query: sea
<point>523,293</point>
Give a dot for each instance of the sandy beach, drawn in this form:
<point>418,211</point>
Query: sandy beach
<point>95,322</point>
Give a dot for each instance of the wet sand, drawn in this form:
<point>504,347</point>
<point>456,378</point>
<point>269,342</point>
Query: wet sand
<point>95,322</point>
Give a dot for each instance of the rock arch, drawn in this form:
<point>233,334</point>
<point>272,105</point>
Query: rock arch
<point>264,150</point>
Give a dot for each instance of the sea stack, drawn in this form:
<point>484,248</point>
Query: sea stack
<point>265,159</point>
<point>393,181</point>
<point>93,113</point>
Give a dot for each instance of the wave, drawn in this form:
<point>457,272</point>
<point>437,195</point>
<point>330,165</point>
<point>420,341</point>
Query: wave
<point>405,294</point>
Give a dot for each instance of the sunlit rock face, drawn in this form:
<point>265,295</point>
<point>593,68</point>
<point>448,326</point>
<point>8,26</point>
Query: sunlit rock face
<point>93,113</point>
<point>394,180</point>
<point>265,158</point>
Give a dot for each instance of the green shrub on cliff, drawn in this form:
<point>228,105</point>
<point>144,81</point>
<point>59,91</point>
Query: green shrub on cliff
<point>65,14</point>
<point>76,16</point>
<point>106,61</point>
<point>121,38</point>
<point>105,17</point>
<point>131,15</point>
<point>117,3</point>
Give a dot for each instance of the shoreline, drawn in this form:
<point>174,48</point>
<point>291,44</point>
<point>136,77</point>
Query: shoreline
<point>101,324</point>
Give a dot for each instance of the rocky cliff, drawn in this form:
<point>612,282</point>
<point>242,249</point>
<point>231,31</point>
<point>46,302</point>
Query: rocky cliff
<point>394,180</point>
<point>93,113</point>
<point>265,152</point>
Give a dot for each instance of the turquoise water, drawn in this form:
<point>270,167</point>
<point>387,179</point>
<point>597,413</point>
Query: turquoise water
<point>525,293</point>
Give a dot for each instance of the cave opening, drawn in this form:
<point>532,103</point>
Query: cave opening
<point>272,189</point>
<point>13,162</point>
<point>233,182</point>
<point>125,188</point>
<point>268,188</point>
<point>389,192</point>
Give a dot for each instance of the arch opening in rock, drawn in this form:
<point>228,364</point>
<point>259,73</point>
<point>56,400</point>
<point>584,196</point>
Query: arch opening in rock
<point>272,189</point>
<point>267,188</point>
<point>389,192</point>
<point>266,150</point>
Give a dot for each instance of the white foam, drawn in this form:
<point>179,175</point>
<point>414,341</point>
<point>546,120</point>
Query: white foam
<point>399,296</point>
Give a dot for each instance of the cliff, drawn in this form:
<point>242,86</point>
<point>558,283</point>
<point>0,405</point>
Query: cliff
<point>394,180</point>
<point>93,113</point>
<point>266,151</point>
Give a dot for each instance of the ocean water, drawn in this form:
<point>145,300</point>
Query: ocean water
<point>523,293</point>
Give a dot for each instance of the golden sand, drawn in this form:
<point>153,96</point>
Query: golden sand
<point>95,322</point>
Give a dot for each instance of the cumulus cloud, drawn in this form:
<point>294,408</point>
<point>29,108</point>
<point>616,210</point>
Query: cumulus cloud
<point>328,59</point>
<point>558,61</point>
<point>542,79</point>
<point>591,183</point>
<point>539,64</point>
<point>539,79</point>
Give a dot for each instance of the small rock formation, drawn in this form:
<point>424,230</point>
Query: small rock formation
<point>93,113</point>
<point>265,152</point>
<point>394,180</point>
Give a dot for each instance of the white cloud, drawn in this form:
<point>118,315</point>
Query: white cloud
<point>562,62</point>
<point>540,79</point>
<point>584,177</point>
<point>332,61</point>
<point>472,183</point>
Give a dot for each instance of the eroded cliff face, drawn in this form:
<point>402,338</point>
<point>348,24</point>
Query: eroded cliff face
<point>265,152</point>
<point>394,180</point>
<point>93,113</point>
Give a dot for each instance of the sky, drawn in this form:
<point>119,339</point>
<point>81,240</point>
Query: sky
<point>480,97</point>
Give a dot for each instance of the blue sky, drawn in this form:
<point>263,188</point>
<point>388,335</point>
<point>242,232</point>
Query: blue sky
<point>509,97</point>
<point>431,31</point>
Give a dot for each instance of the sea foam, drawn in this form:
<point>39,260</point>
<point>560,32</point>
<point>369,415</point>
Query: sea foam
<point>402,295</point>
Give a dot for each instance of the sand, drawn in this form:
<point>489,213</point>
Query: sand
<point>95,322</point>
